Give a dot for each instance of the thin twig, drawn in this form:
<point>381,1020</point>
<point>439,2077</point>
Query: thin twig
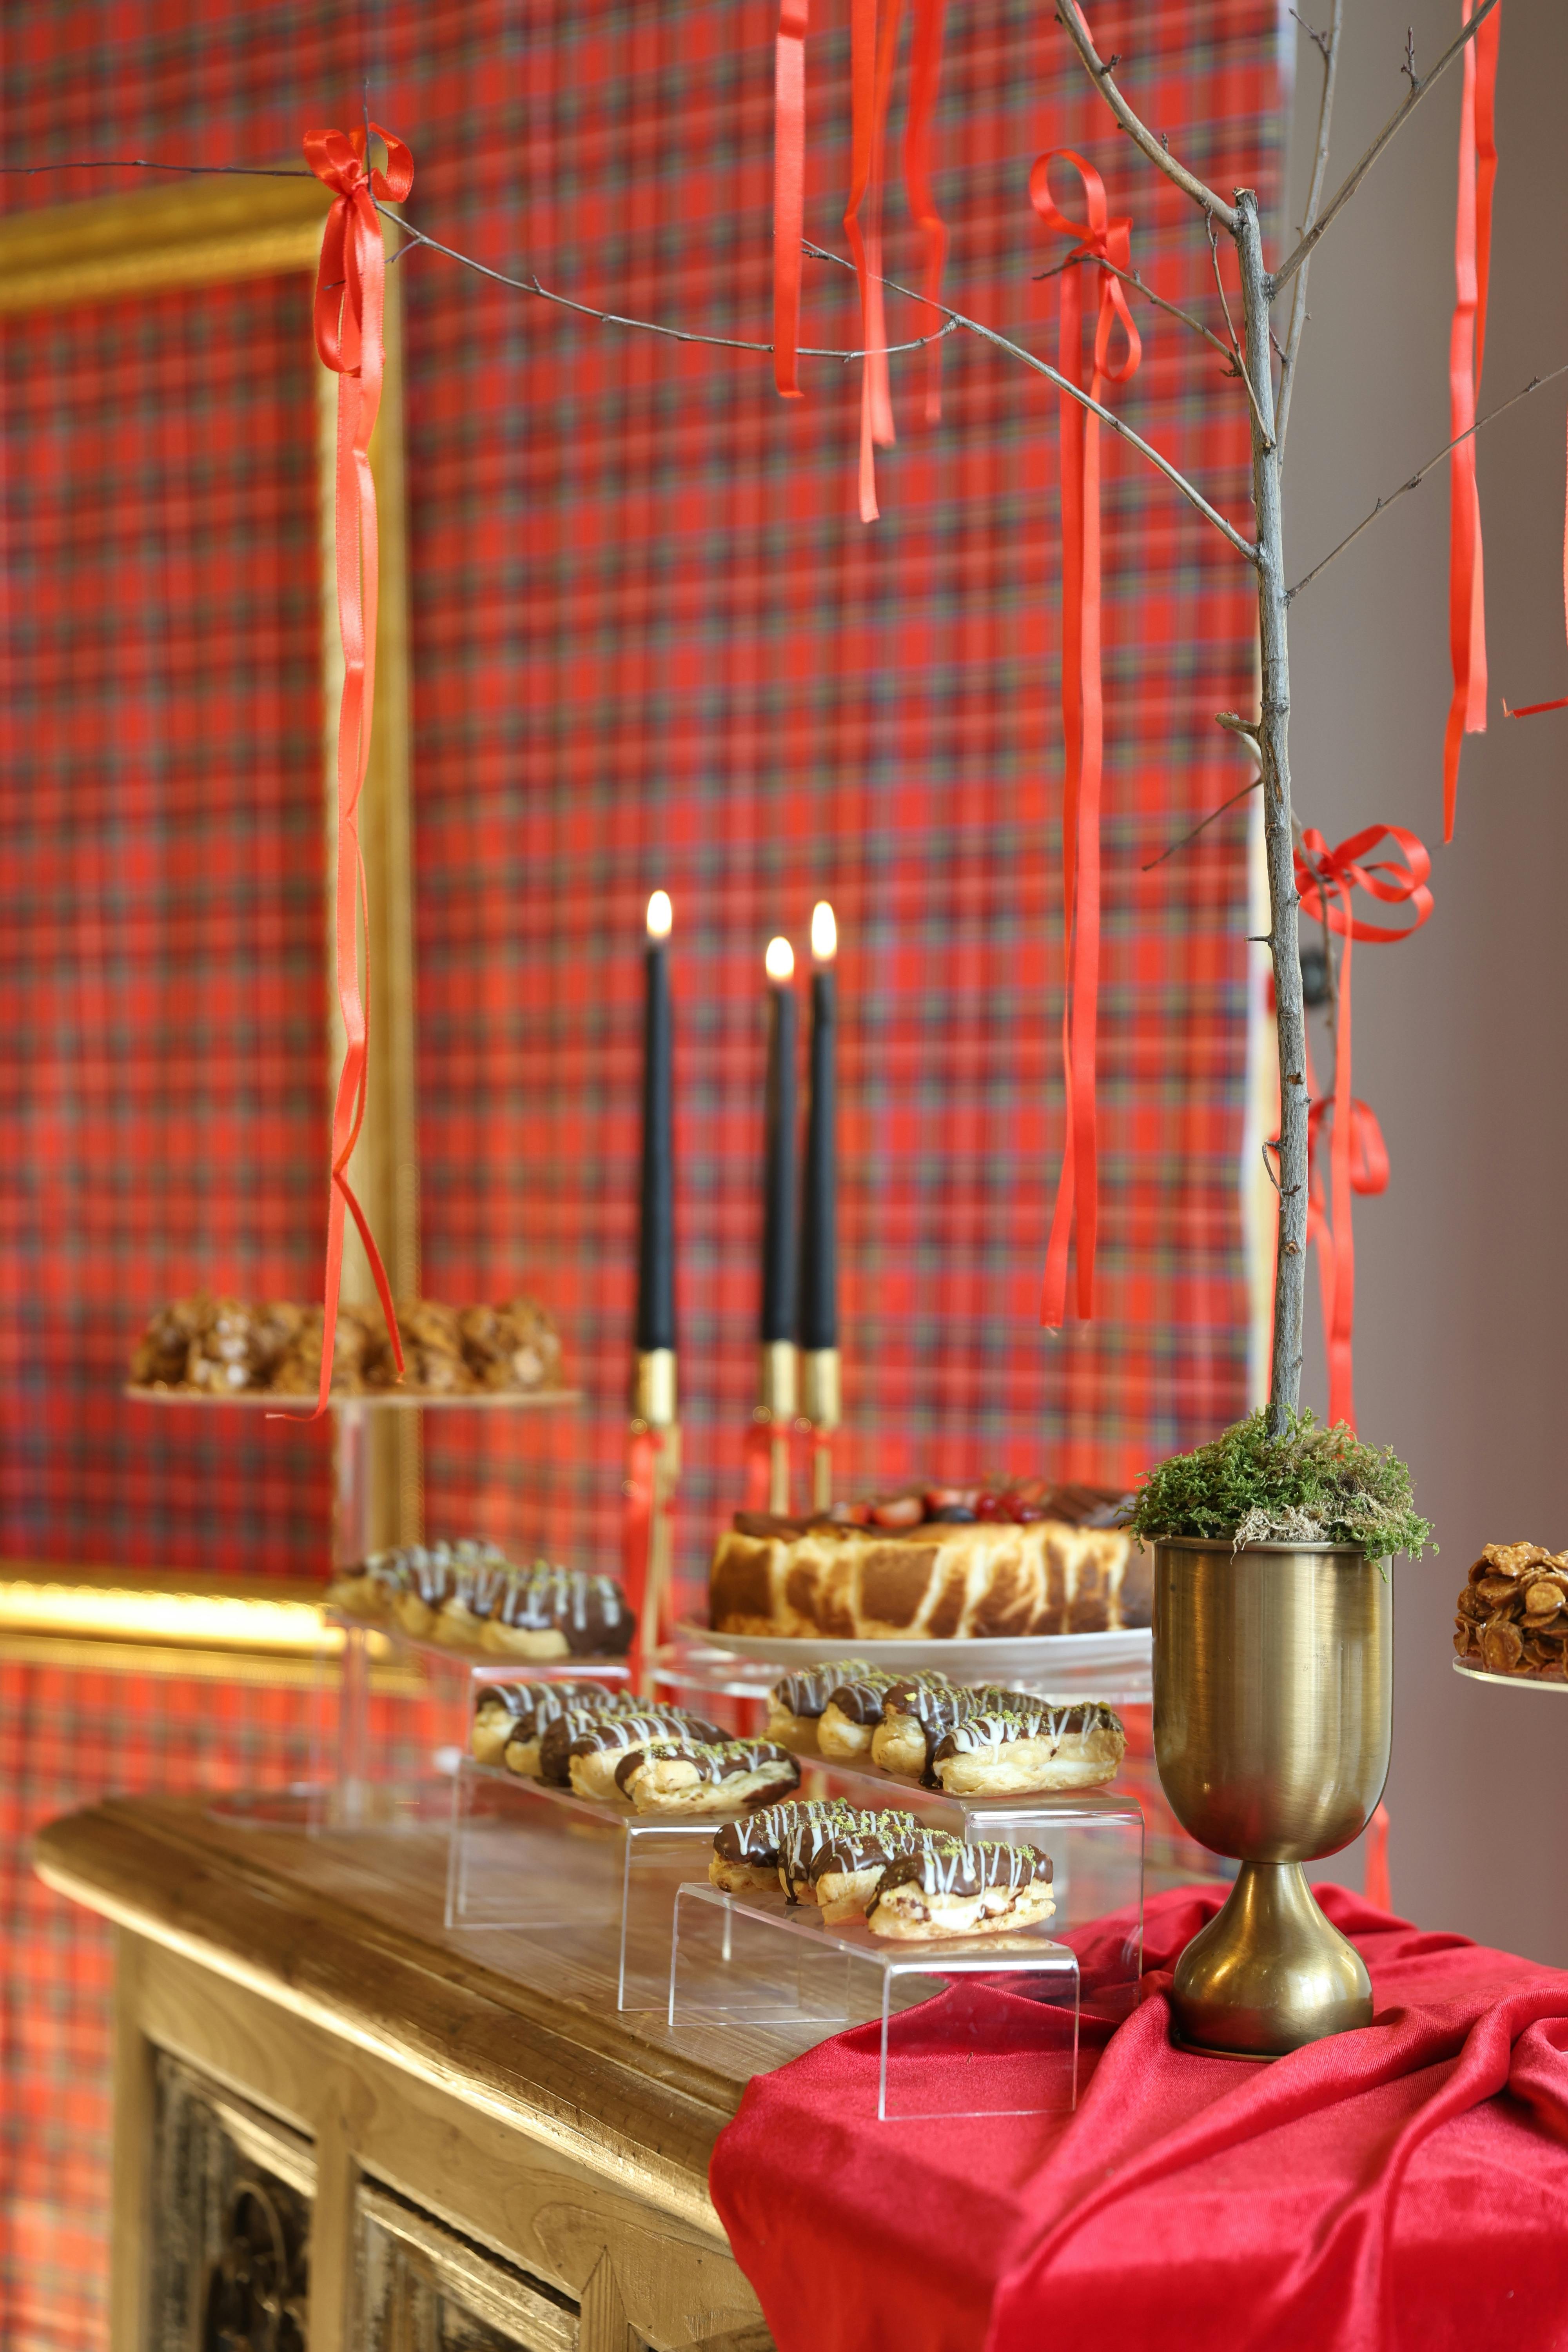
<point>1238,364</point>
<point>1535,383</point>
<point>532,285</point>
<point>1330,46</point>
<point>1131,278</point>
<point>1203,821</point>
<point>1069,15</point>
<point>1402,112</point>
<point>1189,490</point>
<point>141,164</point>
<point>1320,39</point>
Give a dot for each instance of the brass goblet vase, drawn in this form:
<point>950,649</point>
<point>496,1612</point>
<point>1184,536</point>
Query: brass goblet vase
<point>1273,1689</point>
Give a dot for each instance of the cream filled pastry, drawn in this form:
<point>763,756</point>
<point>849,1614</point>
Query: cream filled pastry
<point>917,1711</point>
<point>558,1612</point>
<point>683,1776</point>
<point>853,1712</point>
<point>746,1853</point>
<point>796,1701</point>
<point>512,1716</point>
<point>1029,1744</point>
<point>942,1887</point>
<point>840,1870</point>
<point>581,1752</point>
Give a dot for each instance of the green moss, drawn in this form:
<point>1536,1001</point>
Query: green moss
<point>1307,1485</point>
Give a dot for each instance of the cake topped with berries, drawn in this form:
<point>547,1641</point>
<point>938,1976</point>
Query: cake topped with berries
<point>937,1562</point>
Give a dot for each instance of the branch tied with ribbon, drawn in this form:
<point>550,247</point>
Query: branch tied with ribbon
<point>1100,238</point>
<point>351,287</point>
<point>1358,1157</point>
<point>873,49</point>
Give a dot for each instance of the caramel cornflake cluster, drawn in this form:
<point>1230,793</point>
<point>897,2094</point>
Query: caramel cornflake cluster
<point>1514,1612</point>
<point>219,1346</point>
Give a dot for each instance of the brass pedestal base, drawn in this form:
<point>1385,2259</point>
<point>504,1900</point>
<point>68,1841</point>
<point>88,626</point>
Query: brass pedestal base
<point>1270,1973</point>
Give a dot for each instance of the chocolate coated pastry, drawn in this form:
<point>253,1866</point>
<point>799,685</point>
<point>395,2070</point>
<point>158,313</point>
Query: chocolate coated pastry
<point>746,1853</point>
<point>589,1703</point>
<point>945,1886</point>
<point>582,1752</point>
<point>1513,1614</point>
<point>917,1711</point>
<point>849,1720</point>
<point>687,1776</point>
<point>514,1346</point>
<point>795,1702</point>
<point>1023,1745</point>
<point>559,1613</point>
<point>508,1714</point>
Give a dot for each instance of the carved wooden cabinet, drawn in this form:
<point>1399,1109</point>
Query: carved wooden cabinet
<point>339,2129</point>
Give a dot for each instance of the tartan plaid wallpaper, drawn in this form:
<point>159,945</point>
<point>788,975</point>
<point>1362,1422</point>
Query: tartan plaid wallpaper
<point>653,646</point>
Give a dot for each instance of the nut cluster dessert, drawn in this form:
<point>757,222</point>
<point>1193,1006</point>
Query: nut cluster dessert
<point>614,1746</point>
<point>226,1347</point>
<point>469,1596</point>
<point>969,1742</point>
<point>905,1880</point>
<point>941,1563</point>
<point>1514,1612</point>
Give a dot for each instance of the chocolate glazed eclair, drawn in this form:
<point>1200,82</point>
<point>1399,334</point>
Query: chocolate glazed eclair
<point>853,1712</point>
<point>519,1714</point>
<point>582,1753</point>
<point>1030,1745</point>
<point>916,1714</point>
<point>796,1701</point>
<point>690,1775</point>
<point>943,1886</point>
<point>746,1853</point>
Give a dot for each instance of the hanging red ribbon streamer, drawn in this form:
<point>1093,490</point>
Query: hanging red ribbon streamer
<point>643,1501</point>
<point>1358,1160</point>
<point>925,74</point>
<point>789,190</point>
<point>871,53</point>
<point>758,1458</point>
<point>1472,270</point>
<point>349,294</point>
<point>1083,705</point>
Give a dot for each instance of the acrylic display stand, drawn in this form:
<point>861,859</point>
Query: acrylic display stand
<point>983,2025</point>
<point>526,1857</point>
<point>691,1672</point>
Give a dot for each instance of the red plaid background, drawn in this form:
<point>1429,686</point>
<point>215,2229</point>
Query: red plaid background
<point>653,646</point>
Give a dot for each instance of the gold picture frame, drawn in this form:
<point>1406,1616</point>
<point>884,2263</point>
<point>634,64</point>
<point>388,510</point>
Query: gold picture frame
<point>205,231</point>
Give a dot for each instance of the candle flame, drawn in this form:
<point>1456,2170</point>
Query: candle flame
<point>660,916</point>
<point>824,932</point>
<point>780,959</point>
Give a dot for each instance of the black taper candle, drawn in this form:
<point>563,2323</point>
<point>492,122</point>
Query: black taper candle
<point>819,1228</point>
<point>780,1185</point>
<point>655,1259</point>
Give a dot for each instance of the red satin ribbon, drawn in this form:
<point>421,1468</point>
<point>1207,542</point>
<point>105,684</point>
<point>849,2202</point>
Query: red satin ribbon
<point>789,190</point>
<point>871,53</point>
<point>758,1456</point>
<point>348,307</point>
<point>925,74</point>
<point>1472,270</point>
<point>1083,705</point>
<point>1358,1159</point>
<point>637,1539</point>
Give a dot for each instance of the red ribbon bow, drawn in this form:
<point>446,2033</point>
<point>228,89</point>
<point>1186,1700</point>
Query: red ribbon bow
<point>1358,1159</point>
<point>1472,269</point>
<point>350,296</point>
<point>1103,240</point>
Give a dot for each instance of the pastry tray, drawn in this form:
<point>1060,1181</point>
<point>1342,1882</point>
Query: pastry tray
<point>981,2025</point>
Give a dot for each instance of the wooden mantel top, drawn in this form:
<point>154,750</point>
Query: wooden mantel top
<point>346,1932</point>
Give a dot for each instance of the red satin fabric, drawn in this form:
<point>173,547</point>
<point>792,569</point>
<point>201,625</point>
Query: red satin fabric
<point>1083,704</point>
<point>1403,2189</point>
<point>1358,1158</point>
<point>789,190</point>
<point>1472,270</point>
<point>349,309</point>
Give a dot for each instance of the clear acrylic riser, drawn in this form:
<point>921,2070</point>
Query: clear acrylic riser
<point>704,1676</point>
<point>983,2025</point>
<point>527,1856</point>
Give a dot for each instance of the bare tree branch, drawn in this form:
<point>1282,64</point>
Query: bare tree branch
<point>1203,823</point>
<point>1401,113</point>
<point>1535,383</point>
<point>1189,490</point>
<point>1328,45</point>
<point>1070,14</point>
<point>1240,364</point>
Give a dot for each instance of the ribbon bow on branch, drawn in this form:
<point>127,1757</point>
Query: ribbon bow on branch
<point>1358,1158</point>
<point>1100,238</point>
<point>351,287</point>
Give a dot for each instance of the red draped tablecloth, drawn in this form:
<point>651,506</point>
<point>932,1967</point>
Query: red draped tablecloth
<point>1403,2186</point>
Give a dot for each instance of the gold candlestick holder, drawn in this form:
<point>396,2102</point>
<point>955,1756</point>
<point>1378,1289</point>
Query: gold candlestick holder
<point>774,1411</point>
<point>821,1405</point>
<point>653,1411</point>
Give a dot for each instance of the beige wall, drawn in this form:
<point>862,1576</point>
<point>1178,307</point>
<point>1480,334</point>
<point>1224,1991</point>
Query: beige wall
<point>1462,1332</point>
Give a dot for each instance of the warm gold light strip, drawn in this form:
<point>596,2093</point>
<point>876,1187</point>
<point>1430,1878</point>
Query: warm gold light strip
<point>130,1614</point>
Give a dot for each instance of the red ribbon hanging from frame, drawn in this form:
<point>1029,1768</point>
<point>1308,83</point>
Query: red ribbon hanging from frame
<point>871,53</point>
<point>1472,270</point>
<point>789,190</point>
<point>1103,240</point>
<point>757,1457</point>
<point>925,75</point>
<point>1358,1159</point>
<point>348,307</point>
<point>643,1502</point>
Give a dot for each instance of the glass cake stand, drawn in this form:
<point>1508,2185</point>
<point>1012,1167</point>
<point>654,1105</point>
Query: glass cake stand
<point>1509,1682</point>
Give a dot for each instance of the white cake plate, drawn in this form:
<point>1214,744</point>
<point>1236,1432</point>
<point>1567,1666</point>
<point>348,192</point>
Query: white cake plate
<point>1007,1654</point>
<point>1508,1682</point>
